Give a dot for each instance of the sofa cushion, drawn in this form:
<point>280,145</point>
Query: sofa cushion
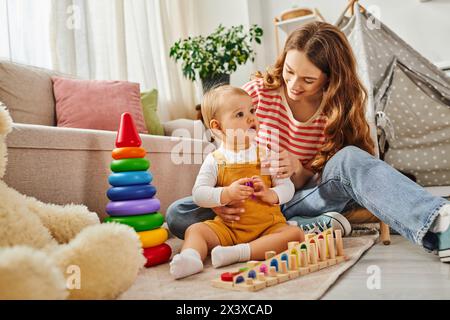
<point>28,93</point>
<point>150,107</point>
<point>92,104</point>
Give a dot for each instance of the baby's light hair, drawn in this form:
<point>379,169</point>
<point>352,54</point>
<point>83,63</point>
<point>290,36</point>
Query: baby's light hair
<point>212,101</point>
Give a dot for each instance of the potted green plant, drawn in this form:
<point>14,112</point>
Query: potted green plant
<point>215,57</point>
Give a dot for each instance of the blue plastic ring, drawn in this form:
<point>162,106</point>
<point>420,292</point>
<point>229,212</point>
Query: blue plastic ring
<point>122,179</point>
<point>137,192</point>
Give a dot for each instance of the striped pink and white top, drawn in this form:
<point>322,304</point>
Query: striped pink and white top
<point>277,123</point>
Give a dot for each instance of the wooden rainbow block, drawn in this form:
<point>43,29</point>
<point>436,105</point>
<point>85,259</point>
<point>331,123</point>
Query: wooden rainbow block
<point>319,251</point>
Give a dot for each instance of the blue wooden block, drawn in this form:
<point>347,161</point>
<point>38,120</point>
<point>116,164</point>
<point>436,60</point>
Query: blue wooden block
<point>252,274</point>
<point>274,263</point>
<point>240,279</point>
<point>284,257</point>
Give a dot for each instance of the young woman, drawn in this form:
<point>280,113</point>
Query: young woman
<point>311,108</point>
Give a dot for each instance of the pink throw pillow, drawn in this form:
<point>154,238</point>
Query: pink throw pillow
<point>92,104</point>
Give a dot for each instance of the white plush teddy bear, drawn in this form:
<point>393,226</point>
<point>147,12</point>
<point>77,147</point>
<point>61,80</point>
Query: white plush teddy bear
<point>57,252</point>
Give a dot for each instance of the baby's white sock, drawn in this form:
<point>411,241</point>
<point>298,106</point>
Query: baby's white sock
<point>442,221</point>
<point>224,256</point>
<point>187,263</point>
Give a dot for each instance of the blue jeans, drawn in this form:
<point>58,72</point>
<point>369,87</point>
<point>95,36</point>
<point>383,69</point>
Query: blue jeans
<point>352,177</point>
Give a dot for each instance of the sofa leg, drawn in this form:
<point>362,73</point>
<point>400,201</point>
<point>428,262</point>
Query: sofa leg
<point>385,234</point>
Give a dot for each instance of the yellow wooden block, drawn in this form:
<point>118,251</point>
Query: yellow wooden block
<point>303,258</point>
<point>259,285</point>
<point>218,283</point>
<point>271,281</point>
<point>251,288</point>
<point>309,236</point>
<point>313,267</point>
<point>331,262</point>
<point>261,276</point>
<point>327,233</point>
<point>255,286</point>
<point>270,254</point>
<point>299,257</point>
<point>293,244</point>
<point>303,271</point>
<point>295,252</point>
<point>283,267</point>
<point>245,287</point>
<point>282,277</point>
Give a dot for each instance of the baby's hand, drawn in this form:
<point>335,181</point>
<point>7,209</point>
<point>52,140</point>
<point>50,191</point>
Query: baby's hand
<point>263,192</point>
<point>236,191</point>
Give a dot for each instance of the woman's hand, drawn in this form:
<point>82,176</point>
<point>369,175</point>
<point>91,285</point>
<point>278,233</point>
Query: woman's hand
<point>280,163</point>
<point>234,197</point>
<point>231,212</point>
<point>303,175</point>
<point>263,192</point>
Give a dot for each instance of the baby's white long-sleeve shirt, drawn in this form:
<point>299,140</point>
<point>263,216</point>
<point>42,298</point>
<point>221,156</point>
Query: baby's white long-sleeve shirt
<point>207,195</point>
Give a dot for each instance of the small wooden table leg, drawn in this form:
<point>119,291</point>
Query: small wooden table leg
<point>385,234</point>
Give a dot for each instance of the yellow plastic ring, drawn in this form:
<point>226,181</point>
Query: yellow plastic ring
<point>153,238</point>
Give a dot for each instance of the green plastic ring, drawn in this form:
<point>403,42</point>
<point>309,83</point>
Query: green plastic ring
<point>140,223</point>
<point>135,164</point>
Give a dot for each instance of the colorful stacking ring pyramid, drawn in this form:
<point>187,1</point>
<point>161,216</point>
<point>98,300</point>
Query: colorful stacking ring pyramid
<point>132,195</point>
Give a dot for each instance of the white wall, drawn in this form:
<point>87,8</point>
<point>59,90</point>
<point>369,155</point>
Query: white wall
<point>330,10</point>
<point>424,25</point>
<point>228,13</point>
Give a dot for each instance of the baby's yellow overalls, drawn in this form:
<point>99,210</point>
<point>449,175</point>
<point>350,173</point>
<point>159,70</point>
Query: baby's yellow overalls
<point>259,218</point>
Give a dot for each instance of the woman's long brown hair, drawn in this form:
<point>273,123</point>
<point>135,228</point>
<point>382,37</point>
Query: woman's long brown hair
<point>344,97</point>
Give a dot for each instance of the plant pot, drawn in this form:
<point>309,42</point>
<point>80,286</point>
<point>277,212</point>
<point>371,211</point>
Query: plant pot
<point>216,81</point>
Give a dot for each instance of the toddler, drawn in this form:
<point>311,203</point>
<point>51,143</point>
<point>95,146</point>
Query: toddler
<point>232,175</point>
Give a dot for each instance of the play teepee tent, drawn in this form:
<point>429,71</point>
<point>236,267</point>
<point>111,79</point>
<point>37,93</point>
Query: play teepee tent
<point>409,100</point>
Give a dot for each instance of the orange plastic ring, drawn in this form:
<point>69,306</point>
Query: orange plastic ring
<point>128,153</point>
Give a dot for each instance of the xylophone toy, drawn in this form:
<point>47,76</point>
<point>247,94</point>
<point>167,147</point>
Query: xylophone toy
<point>319,251</point>
<point>132,196</point>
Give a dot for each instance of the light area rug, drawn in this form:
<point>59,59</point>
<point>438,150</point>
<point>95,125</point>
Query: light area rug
<point>157,284</point>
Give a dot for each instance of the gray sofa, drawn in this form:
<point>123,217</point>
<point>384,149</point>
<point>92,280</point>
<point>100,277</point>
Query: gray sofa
<point>64,165</point>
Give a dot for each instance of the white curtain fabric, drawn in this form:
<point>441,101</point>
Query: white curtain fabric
<point>105,40</point>
<point>126,40</point>
<point>24,32</point>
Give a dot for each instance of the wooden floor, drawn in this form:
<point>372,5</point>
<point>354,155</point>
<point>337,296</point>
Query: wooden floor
<point>406,272</point>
